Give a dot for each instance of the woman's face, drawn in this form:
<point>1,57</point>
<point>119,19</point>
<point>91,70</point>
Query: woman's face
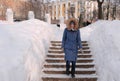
<point>72,25</point>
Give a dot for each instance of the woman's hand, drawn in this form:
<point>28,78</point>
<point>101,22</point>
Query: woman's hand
<point>62,49</point>
<point>81,50</point>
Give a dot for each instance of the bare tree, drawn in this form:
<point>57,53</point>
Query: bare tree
<point>38,8</point>
<point>100,14</point>
<point>111,9</point>
<point>116,3</point>
<point>108,10</point>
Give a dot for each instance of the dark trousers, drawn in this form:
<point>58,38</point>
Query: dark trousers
<point>73,66</point>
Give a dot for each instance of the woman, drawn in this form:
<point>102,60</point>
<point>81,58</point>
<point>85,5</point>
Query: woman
<point>71,42</point>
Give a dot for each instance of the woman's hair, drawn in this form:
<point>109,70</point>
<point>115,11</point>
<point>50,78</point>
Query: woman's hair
<point>72,21</point>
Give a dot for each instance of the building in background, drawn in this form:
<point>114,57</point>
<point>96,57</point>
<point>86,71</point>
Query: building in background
<point>62,8</point>
<point>86,10</point>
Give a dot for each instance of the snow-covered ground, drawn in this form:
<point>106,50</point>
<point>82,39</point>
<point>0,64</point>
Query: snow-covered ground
<point>24,45</point>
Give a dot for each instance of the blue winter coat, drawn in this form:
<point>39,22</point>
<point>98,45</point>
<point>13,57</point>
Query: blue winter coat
<point>71,42</point>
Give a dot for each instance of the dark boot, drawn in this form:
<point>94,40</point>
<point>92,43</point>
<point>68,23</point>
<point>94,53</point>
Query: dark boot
<point>73,69</point>
<point>67,72</point>
<point>73,75</point>
<point>67,67</point>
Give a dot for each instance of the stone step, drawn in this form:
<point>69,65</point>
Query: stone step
<point>52,51</point>
<point>63,71</point>
<point>59,48</point>
<point>61,41</point>
<point>64,53</point>
<point>61,77</point>
<point>60,44</point>
<point>62,49</point>
<point>61,60</point>
<point>62,56</point>
<point>63,65</point>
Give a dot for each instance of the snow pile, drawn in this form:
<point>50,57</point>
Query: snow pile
<point>104,37</point>
<point>86,31</point>
<point>23,47</point>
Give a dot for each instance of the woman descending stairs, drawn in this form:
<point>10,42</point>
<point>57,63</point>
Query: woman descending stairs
<point>55,67</point>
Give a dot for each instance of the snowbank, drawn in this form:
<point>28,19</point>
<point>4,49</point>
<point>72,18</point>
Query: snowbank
<point>104,37</point>
<point>23,48</point>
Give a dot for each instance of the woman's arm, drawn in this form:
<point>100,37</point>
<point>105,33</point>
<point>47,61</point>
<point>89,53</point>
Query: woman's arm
<point>64,38</point>
<point>79,40</point>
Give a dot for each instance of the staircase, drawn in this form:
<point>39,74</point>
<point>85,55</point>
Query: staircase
<point>54,67</point>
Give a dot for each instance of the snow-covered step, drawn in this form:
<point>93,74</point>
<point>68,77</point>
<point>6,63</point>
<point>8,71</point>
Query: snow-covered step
<point>57,51</point>
<point>53,44</point>
<point>66,76</point>
<point>92,63</point>
<point>63,70</point>
<point>63,77</point>
<point>63,65</point>
<point>61,41</point>
<point>61,50</point>
<point>59,47</point>
<point>62,55</point>
<point>61,60</point>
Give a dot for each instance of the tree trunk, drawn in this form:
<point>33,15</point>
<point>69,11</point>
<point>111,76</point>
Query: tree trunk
<point>114,12</point>
<point>100,14</point>
<point>108,12</point>
<point>99,11</point>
